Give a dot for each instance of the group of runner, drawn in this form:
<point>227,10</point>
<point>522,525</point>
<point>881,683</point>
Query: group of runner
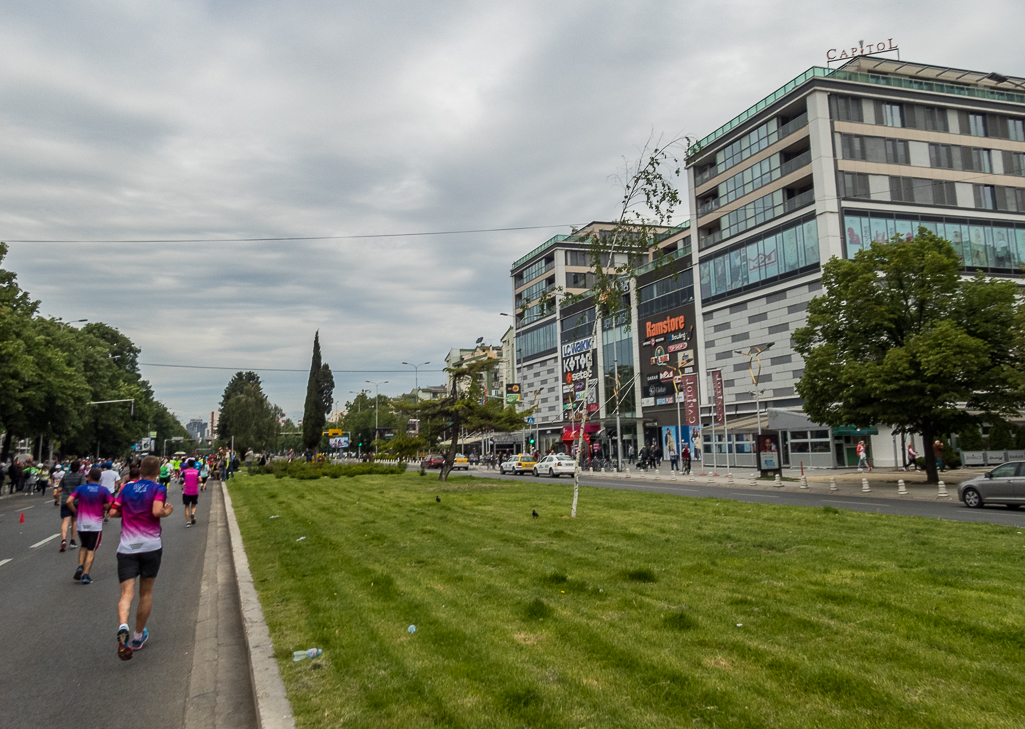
<point>90,494</point>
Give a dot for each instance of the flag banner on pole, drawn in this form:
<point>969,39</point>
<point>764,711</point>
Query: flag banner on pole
<point>690,400</point>
<point>717,395</point>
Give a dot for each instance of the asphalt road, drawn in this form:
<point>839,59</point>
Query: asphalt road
<point>60,667</point>
<point>950,509</point>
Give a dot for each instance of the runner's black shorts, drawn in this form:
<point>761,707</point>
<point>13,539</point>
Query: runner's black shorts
<point>66,512</point>
<point>90,540</point>
<point>165,480</point>
<point>139,564</point>
<point>190,499</point>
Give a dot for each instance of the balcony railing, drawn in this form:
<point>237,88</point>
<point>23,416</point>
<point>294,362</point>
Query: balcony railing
<point>799,201</point>
<point>796,163</point>
<point>798,122</point>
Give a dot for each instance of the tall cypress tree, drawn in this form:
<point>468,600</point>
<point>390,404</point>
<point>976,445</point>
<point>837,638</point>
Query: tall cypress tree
<point>320,390</point>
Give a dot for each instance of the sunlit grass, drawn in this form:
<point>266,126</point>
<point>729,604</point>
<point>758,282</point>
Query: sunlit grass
<point>646,611</point>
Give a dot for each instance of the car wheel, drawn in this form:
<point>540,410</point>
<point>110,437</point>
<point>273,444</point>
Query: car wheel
<point>535,473</point>
<point>972,499</point>
<point>551,473</point>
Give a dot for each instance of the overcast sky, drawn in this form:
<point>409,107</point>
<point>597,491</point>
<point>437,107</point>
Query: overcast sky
<point>173,120</point>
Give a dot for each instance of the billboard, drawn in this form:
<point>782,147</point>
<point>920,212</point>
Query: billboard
<point>512,393</point>
<point>668,349</point>
<point>579,382</point>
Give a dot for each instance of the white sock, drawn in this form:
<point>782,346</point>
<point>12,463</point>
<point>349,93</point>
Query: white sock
<point>123,625</point>
<point>137,636</point>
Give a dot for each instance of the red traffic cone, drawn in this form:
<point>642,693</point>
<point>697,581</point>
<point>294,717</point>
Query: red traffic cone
<point>22,519</point>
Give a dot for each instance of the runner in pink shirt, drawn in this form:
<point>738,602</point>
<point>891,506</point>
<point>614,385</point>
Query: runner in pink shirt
<point>190,491</point>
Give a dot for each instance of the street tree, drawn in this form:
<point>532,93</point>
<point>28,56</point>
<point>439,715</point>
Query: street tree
<point>319,395</point>
<point>648,203</point>
<point>465,407</point>
<point>247,415</point>
<point>900,337</point>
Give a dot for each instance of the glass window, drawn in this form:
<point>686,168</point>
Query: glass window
<point>904,228</point>
<point>1003,248</point>
<point>769,253</point>
<point>820,446</point>
<point>705,276</point>
<point>751,258</point>
<point>985,197</point>
<point>879,230</point>
<point>811,242</point>
<point>977,125</point>
<point>1020,234</point>
<point>738,269</point>
<point>790,249</point>
<point>1016,129</point>
<point>798,435</point>
<point>977,236</point>
<point>893,115</point>
<point>820,434</point>
<point>719,273</point>
<point>799,446</point>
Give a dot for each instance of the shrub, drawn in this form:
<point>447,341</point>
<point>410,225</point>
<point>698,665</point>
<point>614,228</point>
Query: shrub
<point>1000,437</point>
<point>970,439</point>
<point>303,471</point>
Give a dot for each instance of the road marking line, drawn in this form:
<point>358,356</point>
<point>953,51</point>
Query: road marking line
<point>48,539</point>
<point>3,562</point>
<point>762,496</point>
<point>866,503</point>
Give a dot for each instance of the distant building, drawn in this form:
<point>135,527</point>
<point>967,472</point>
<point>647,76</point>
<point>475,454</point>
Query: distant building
<point>196,428</point>
<point>214,419</point>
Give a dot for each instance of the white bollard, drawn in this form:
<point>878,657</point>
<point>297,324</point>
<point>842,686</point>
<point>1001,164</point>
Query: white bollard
<point>626,472</point>
<point>692,477</point>
<point>804,481</point>
<point>676,475</point>
<point>832,484</point>
<point>943,491</point>
<point>778,483</point>
<point>729,479</point>
<point>864,486</point>
<point>901,488</point>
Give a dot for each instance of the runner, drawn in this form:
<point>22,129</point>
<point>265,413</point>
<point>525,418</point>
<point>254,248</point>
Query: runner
<point>165,473</point>
<point>141,505</point>
<point>190,491</point>
<point>67,485</point>
<point>204,474</point>
<point>92,499</point>
<point>110,478</point>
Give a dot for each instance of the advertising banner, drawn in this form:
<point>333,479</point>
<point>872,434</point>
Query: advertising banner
<point>668,348</point>
<point>717,396</point>
<point>768,452</point>
<point>578,379</point>
<point>512,393</point>
<point>689,388</point>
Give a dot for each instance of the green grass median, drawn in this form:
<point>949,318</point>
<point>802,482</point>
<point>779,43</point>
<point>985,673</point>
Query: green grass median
<point>647,610</point>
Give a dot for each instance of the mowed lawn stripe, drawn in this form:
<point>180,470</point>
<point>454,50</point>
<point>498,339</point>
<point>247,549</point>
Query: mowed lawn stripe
<point>627,616</point>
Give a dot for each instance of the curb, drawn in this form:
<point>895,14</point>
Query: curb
<point>273,710</point>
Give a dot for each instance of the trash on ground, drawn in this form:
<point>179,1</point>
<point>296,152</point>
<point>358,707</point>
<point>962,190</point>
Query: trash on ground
<point>309,653</point>
<point>300,539</point>
<point>411,629</point>
<point>275,517</point>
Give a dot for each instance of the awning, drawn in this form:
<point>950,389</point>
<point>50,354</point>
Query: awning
<point>784,419</point>
<point>853,430</point>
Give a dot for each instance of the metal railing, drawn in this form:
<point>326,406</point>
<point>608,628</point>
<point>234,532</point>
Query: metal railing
<point>796,163</point>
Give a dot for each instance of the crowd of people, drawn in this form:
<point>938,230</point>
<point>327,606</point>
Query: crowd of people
<point>90,493</point>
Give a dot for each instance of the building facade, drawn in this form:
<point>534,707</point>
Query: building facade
<point>833,160</point>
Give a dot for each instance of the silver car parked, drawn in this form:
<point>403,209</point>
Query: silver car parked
<point>1005,484</point>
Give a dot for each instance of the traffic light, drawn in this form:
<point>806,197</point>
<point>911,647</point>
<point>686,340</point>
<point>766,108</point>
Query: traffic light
<point>532,440</point>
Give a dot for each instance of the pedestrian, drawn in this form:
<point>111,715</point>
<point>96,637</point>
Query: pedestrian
<point>937,452</point>
<point>110,478</point>
<point>912,457</point>
<point>674,459</point>
<point>141,505</point>
<point>204,474</point>
<point>190,491</point>
<point>862,456</point>
<point>685,453</point>
<point>71,481</point>
<point>630,455</point>
<point>89,503</point>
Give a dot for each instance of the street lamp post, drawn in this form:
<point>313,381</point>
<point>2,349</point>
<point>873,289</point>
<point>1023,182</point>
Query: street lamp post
<point>416,374</point>
<point>516,373</point>
<point>377,407</point>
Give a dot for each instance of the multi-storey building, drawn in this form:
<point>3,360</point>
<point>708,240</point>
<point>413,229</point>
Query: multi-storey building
<point>196,428</point>
<point>833,160</point>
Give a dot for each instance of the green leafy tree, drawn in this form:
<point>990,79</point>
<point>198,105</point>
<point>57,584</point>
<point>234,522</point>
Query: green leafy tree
<point>235,386</point>
<point>18,370</point>
<point>404,446</point>
<point>465,408</point>
<point>970,439</point>
<point>247,415</point>
<point>1000,438</point>
<point>319,393</point>
<point>900,338</point>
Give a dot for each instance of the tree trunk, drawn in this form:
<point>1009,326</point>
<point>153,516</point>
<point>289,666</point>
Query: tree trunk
<point>583,419</point>
<point>450,456</point>
<point>5,449</point>
<point>931,475</point>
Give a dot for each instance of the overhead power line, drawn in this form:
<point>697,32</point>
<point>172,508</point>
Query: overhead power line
<point>295,238</point>
<point>267,369</point>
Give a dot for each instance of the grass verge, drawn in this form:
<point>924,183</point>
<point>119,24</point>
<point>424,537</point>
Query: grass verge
<point>647,611</point>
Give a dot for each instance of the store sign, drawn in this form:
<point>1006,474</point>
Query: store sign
<point>579,385</point>
<point>512,393</point>
<point>667,350</point>
<point>862,49</point>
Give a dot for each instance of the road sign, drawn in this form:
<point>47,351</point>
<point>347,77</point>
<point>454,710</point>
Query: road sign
<point>530,421</point>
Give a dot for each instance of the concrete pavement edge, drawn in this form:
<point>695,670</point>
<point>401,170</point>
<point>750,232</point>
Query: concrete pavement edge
<point>273,710</point>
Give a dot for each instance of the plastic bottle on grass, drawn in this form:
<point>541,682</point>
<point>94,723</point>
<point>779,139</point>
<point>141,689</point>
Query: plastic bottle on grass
<point>311,653</point>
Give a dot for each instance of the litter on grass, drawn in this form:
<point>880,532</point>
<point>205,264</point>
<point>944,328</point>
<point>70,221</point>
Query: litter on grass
<point>411,629</point>
<point>740,625</point>
<point>300,539</point>
<point>275,517</point>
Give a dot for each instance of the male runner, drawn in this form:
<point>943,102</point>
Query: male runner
<point>93,499</point>
<point>141,505</point>
<point>190,491</point>
<point>70,481</point>
<point>110,478</point>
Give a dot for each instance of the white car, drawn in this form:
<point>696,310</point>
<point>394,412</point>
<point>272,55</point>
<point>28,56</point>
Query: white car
<point>555,465</point>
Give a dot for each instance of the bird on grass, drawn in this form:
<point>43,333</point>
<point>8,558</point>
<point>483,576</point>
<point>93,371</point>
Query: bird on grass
<point>533,512</point>
<point>438,499</point>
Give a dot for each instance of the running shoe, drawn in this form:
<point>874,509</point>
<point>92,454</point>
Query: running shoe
<point>188,524</point>
<point>64,545</point>
<point>87,580</point>
<point>73,544</point>
<point>193,520</point>
<point>138,643</point>
<point>124,651</point>
<point>78,573</point>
